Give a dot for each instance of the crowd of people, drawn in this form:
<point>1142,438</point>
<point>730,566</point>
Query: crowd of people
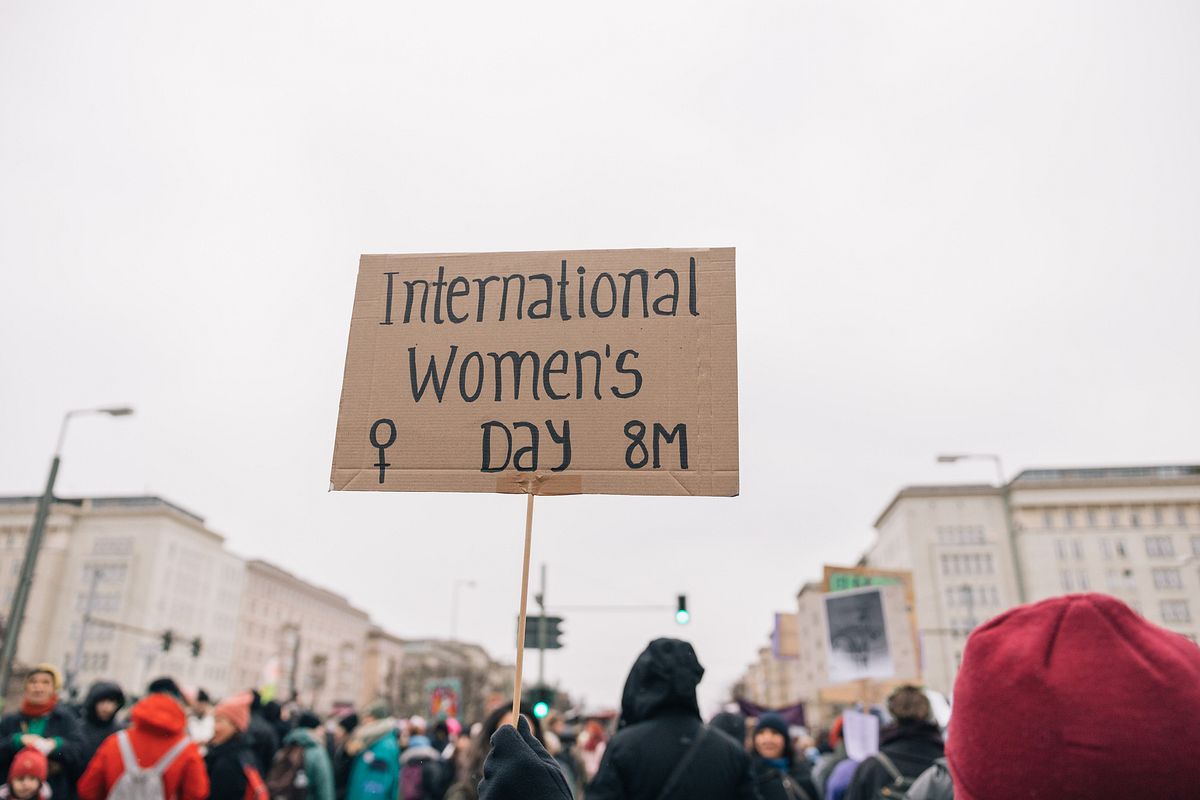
<point>1072,697</point>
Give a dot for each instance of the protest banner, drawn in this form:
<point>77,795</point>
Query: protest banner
<point>841,579</point>
<point>542,373</point>
<point>857,636</point>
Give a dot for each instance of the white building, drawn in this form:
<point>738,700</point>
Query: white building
<point>137,567</point>
<point>299,637</point>
<point>1133,532</point>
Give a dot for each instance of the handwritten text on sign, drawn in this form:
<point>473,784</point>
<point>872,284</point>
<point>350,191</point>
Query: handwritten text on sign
<point>558,372</point>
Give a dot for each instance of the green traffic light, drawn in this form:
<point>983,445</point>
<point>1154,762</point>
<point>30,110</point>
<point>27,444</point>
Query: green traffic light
<point>682,616</point>
<point>540,709</point>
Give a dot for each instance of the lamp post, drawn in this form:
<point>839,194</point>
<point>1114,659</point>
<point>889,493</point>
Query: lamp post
<point>458,584</point>
<point>16,616</point>
<point>1006,497</point>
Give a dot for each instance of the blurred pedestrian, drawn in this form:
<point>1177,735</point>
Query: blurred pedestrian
<point>1076,697</point>
<point>156,739</point>
<point>907,747</point>
<point>731,723</point>
<point>200,718</point>
<point>375,765</point>
<point>663,749</point>
<point>592,744</point>
<point>829,760</point>
<point>260,735</point>
<point>41,723</point>
<point>307,740</point>
<point>27,777</point>
<point>778,772</point>
<point>229,756</point>
<point>104,699</point>
<point>422,774</point>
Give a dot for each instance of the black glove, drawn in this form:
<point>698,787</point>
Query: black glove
<point>519,768</point>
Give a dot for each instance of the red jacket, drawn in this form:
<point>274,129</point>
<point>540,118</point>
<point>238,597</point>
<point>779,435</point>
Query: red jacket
<point>158,723</point>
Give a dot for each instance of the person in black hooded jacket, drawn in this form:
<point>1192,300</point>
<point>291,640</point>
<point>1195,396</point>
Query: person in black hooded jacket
<point>261,737</point>
<point>911,745</point>
<point>100,709</point>
<point>660,727</point>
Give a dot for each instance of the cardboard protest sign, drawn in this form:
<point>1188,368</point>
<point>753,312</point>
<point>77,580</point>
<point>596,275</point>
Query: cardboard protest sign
<point>557,372</point>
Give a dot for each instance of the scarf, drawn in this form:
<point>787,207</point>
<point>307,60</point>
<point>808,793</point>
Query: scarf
<point>34,711</point>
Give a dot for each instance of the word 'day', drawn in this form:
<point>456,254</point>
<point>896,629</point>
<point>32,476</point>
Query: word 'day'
<point>558,372</point>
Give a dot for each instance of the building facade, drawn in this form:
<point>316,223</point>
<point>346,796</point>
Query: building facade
<point>162,596</point>
<point>135,568</point>
<point>481,682</point>
<point>974,551</point>
<point>299,639</point>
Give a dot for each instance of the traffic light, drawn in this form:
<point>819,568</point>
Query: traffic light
<point>681,613</point>
<point>533,633</point>
<point>542,698</point>
<point>196,645</point>
<point>167,639</point>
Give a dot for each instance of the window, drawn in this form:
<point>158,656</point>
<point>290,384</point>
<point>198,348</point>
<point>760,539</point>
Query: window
<point>1111,580</point>
<point>1135,519</point>
<point>1167,578</point>
<point>987,560</point>
<point>1106,549</point>
<point>1114,518</point>
<point>1158,515</point>
<point>951,596</point>
<point>1159,546</point>
<point>1048,519</point>
<point>1175,611</point>
<point>1196,545</point>
<point>1181,515</point>
<point>1091,518</point>
<point>1077,549</point>
<point>1119,547</point>
<point>1081,580</point>
<point>1066,580</point>
<point>1069,518</point>
<point>1060,549</point>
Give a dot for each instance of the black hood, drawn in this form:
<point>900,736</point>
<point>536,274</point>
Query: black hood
<point>102,690</point>
<point>663,679</point>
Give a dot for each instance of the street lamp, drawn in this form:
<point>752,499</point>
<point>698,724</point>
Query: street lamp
<point>1006,497</point>
<point>16,616</point>
<point>952,458</point>
<point>458,584</point>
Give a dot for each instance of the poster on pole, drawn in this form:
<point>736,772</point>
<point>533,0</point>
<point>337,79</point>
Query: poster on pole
<point>857,636</point>
<point>554,372</point>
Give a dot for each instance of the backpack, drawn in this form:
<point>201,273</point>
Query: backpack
<point>255,788</point>
<point>413,780</point>
<point>898,788</point>
<point>143,783</point>
<point>377,780</point>
<point>287,778</point>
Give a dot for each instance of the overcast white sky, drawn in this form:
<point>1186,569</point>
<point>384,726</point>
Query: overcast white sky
<point>960,226</point>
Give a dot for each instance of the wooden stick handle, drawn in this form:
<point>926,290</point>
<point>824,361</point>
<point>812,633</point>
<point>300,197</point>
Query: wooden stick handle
<point>516,707</point>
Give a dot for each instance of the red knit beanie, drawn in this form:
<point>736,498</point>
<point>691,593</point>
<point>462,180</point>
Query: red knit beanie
<point>236,709</point>
<point>28,762</point>
<point>1076,697</point>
